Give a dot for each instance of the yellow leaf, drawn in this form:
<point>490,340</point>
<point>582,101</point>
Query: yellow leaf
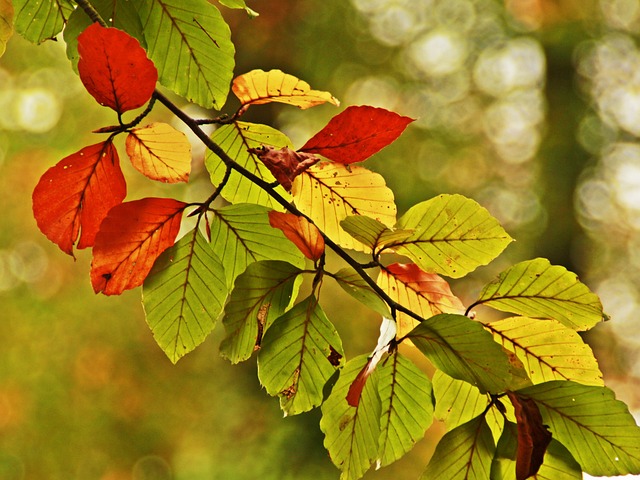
<point>329,192</point>
<point>160,152</point>
<point>6,23</point>
<point>259,87</point>
<point>547,349</point>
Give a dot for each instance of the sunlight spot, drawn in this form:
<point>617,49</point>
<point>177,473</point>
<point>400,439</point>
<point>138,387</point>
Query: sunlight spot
<point>439,52</point>
<point>38,110</point>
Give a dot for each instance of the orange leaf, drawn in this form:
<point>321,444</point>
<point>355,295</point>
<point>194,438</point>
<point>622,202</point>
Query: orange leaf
<point>160,152</point>
<point>303,234</point>
<point>74,196</point>
<point>426,294</point>
<point>130,239</point>
<point>533,436</point>
<point>284,164</point>
<point>258,87</point>
<point>114,68</point>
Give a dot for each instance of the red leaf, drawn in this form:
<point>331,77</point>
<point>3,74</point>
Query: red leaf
<point>74,196</point>
<point>303,234</point>
<point>356,387</point>
<point>130,239</point>
<point>115,69</point>
<point>285,164</point>
<point>533,436</point>
<point>356,134</point>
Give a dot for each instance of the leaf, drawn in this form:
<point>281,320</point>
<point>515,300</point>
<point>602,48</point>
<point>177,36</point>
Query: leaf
<point>352,283</point>
<point>284,164</point>
<point>536,288</point>
<point>114,68</point>
<point>329,192</point>
<point>239,4</point>
<point>40,20</point>
<point>6,23</point>
<point>464,350</point>
<point>457,401</point>
<point>258,87</point>
<point>453,236</point>
<point>261,294</point>
<point>407,407</point>
<point>118,14</point>
<point>74,196</point>
<point>533,436</point>
<point>237,139</point>
<point>464,453</point>
<point>190,44</point>
<point>299,353</point>
<point>131,238</point>
<point>426,294</point>
<point>184,294</point>
<point>596,428</point>
<point>160,152</point>
<point>558,462</point>
<point>241,234</point>
<point>357,133</point>
<point>303,234</point>
<point>352,433</point>
<point>547,349</point>
<point>371,232</point>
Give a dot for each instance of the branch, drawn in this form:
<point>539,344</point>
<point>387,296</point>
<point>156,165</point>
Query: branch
<point>91,12</point>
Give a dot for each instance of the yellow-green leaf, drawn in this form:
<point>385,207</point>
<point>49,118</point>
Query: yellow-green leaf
<point>40,20</point>
<point>537,289</point>
<point>239,4</point>
<point>6,23</point>
<point>373,233</point>
<point>160,152</point>
<point>352,283</point>
<point>547,349</point>
<point>258,87</point>
<point>330,192</point>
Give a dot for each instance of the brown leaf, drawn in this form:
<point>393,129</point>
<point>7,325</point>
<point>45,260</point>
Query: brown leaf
<point>285,164</point>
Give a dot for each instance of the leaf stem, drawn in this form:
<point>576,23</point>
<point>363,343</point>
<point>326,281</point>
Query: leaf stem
<point>91,12</point>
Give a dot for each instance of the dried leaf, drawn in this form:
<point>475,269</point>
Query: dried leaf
<point>285,164</point>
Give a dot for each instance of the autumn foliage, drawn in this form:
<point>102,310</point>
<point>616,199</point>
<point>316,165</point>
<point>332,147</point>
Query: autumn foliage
<point>512,409</point>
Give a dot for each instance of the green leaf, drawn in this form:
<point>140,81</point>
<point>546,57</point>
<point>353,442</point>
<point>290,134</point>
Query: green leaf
<point>464,453</point>
<point>352,433</point>
<point>241,234</point>
<point>299,353</point>
<point>118,14</point>
<point>239,4</point>
<point>40,20</point>
<point>463,349</point>
<point>558,462</point>
<point>190,44</point>
<point>596,428</point>
<point>407,407</point>
<point>547,349</point>
<point>352,283</point>
<point>457,401</point>
<point>6,23</point>
<point>236,139</point>
<point>537,289</point>
<point>262,293</point>
<point>372,232</point>
<point>453,236</point>
<point>184,295</point>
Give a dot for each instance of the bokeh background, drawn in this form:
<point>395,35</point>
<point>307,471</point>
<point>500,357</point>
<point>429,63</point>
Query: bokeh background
<point>531,107</point>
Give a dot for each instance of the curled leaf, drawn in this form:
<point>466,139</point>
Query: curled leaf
<point>285,164</point>
<point>303,234</point>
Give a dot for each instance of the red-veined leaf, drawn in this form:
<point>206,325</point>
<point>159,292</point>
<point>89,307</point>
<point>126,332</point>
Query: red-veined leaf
<point>357,133</point>
<point>160,152</point>
<point>130,239</point>
<point>426,294</point>
<point>74,196</point>
<point>303,234</point>
<point>284,164</point>
<point>258,87</point>
<point>115,69</point>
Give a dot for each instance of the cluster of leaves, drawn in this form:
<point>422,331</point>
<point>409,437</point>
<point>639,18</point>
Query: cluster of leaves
<point>521,397</point>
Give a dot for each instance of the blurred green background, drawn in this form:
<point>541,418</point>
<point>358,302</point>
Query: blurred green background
<point>531,107</point>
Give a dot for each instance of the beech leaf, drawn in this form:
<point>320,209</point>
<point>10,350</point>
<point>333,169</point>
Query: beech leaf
<point>457,401</point>
<point>371,232</point>
<point>356,134</point>
<point>330,192</point>
<point>352,283</point>
<point>114,68</point>
<point>131,238</point>
<point>239,4</point>
<point>426,294</point>
<point>40,20</point>
<point>303,234</point>
<point>6,23</point>
<point>74,196</point>
<point>537,289</point>
<point>284,164</point>
<point>259,87</point>
<point>160,152</point>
